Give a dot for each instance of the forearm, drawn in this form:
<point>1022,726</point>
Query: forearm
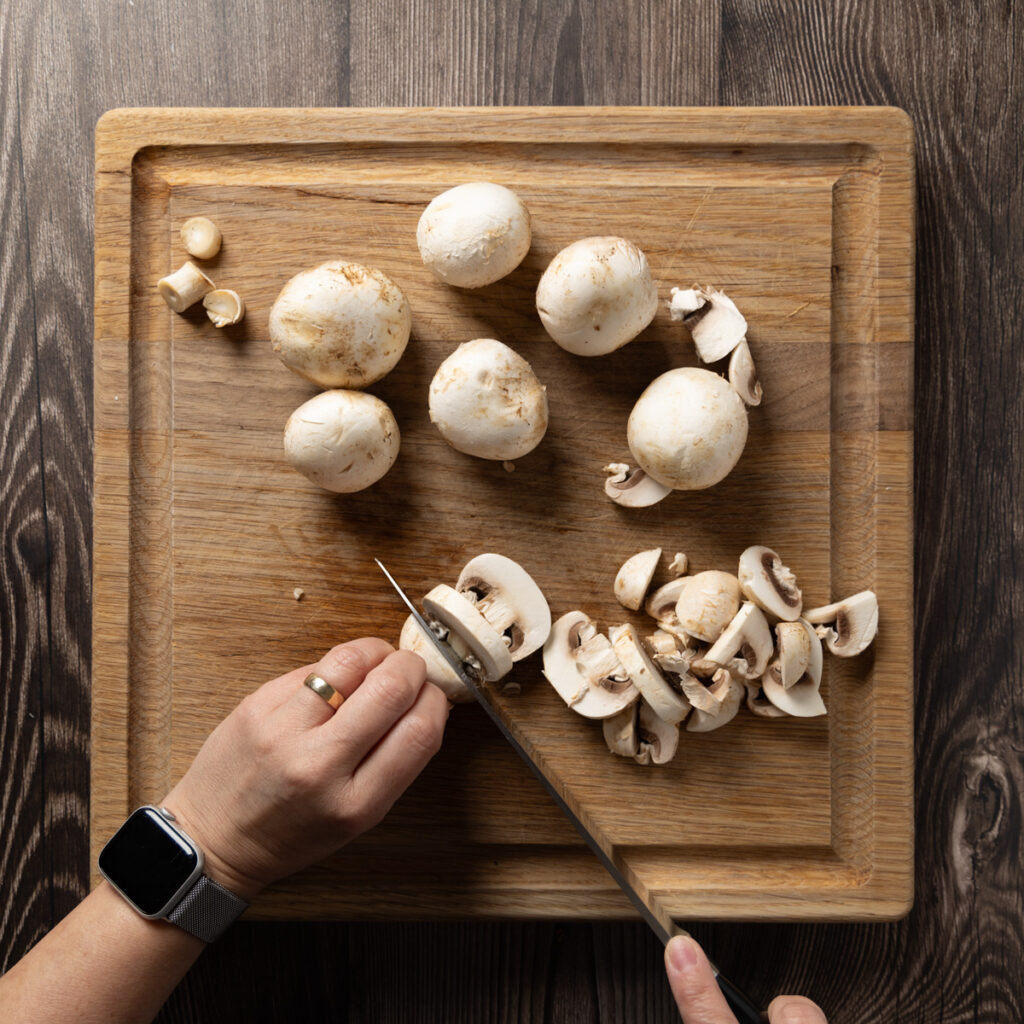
<point>102,963</point>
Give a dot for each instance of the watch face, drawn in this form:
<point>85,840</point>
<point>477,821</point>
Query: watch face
<point>148,861</point>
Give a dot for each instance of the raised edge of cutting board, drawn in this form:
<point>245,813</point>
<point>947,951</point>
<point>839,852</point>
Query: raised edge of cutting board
<point>803,215</point>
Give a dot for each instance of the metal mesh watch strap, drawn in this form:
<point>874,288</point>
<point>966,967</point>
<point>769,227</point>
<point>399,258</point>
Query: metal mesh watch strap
<point>207,910</point>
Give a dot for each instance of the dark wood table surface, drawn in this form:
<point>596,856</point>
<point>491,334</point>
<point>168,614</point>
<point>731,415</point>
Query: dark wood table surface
<point>956,68</point>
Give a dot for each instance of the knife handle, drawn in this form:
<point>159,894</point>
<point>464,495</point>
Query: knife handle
<point>743,1009</point>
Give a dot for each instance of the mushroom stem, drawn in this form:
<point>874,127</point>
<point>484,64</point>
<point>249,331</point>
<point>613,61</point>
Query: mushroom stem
<point>201,238</point>
<point>185,287</point>
<point>224,307</point>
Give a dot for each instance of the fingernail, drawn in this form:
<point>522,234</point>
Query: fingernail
<point>798,1013</point>
<point>682,951</point>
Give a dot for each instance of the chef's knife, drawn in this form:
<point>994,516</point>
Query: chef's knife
<point>649,907</point>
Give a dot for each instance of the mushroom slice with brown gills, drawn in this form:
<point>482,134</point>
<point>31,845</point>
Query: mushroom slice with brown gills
<point>509,599</point>
<point>769,584</point>
<point>657,739</point>
<point>439,672</point>
<point>460,617</point>
<point>759,704</point>
<point>632,488</point>
<point>656,690</point>
<point>847,627</point>
<point>745,644</point>
<point>674,655</point>
<point>582,667</point>
<point>708,603</point>
<point>634,577</point>
<point>802,699</point>
<point>794,653</point>
<point>620,731</point>
<point>716,325</point>
<point>743,376</point>
<point>727,692</point>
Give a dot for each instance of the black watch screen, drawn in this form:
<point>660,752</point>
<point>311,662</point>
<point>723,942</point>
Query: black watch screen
<point>148,861</point>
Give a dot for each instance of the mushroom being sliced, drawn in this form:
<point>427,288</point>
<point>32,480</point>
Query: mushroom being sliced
<point>460,617</point>
<point>847,627</point>
<point>632,488</point>
<point>769,584</point>
<point>745,644</point>
<point>794,653</point>
<point>633,579</point>
<point>582,667</point>
<point>620,732</point>
<point>509,599</point>
<point>802,699</point>
<point>707,604</point>
<point>727,692</point>
<point>658,739</point>
<point>645,675</point>
<point>743,376</point>
<point>716,325</point>
<point>439,672</point>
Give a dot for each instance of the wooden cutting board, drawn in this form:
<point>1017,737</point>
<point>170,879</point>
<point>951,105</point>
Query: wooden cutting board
<point>202,531</point>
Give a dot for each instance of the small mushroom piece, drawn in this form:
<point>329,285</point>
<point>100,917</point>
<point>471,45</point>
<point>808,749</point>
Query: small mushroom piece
<point>794,647</point>
<point>596,295</point>
<point>632,488</point>
<point>474,234</point>
<point>581,665</point>
<point>486,401</point>
<point>439,672</point>
<point>661,605</point>
<point>674,656</point>
<point>634,577</point>
<point>460,617</point>
<point>185,287</point>
<point>201,238</point>
<point>717,326</point>
<point>707,604</point>
<point>509,599</point>
<point>658,740</point>
<point>684,301</point>
<point>802,699</point>
<point>759,704</point>
<point>224,307</point>
<point>847,627</point>
<point>620,732</point>
<point>743,376</point>
<point>769,584</point>
<point>679,564</point>
<point>728,693</point>
<point>748,637</point>
<point>655,689</point>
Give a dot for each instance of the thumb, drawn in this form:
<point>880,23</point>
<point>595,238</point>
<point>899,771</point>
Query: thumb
<point>693,984</point>
<point>795,1010</point>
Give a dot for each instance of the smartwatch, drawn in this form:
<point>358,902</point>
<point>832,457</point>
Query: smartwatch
<point>159,871</point>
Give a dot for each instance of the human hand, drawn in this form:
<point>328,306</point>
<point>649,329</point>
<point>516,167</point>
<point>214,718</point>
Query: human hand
<point>285,780</point>
<point>700,1000</point>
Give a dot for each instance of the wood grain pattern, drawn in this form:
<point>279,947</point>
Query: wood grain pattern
<point>815,820</point>
<point>956,958</point>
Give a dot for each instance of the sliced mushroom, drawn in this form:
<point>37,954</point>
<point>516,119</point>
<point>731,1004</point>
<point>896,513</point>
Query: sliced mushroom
<point>802,699</point>
<point>707,604</point>
<point>674,656</point>
<point>460,617</point>
<point>645,675</point>
<point>794,653</point>
<point>727,692</point>
<point>769,584</point>
<point>439,672</point>
<point>747,636</point>
<point>582,667</point>
<point>509,599</point>
<point>658,739</point>
<point>679,564</point>
<point>684,301</point>
<point>632,488</point>
<point>661,605</point>
<point>759,704</point>
<point>743,376</point>
<point>716,325</point>
<point>620,732</point>
<point>634,578</point>
<point>847,627</point>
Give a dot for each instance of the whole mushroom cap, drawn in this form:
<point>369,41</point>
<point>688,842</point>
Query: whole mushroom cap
<point>474,234</point>
<point>688,429</point>
<point>486,401</point>
<point>340,325</point>
<point>596,295</point>
<point>342,440</point>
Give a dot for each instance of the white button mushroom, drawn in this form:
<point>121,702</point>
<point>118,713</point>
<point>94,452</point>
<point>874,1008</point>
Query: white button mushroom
<point>596,295</point>
<point>486,401</point>
<point>342,440</point>
<point>474,234</point>
<point>770,584</point>
<point>687,430</point>
<point>656,690</point>
<point>707,604</point>
<point>634,577</point>
<point>847,627</point>
<point>340,325</point>
<point>439,672</point>
<point>459,615</point>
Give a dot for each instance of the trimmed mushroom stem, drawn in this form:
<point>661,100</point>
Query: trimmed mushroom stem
<point>185,287</point>
<point>224,307</point>
<point>201,238</point>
